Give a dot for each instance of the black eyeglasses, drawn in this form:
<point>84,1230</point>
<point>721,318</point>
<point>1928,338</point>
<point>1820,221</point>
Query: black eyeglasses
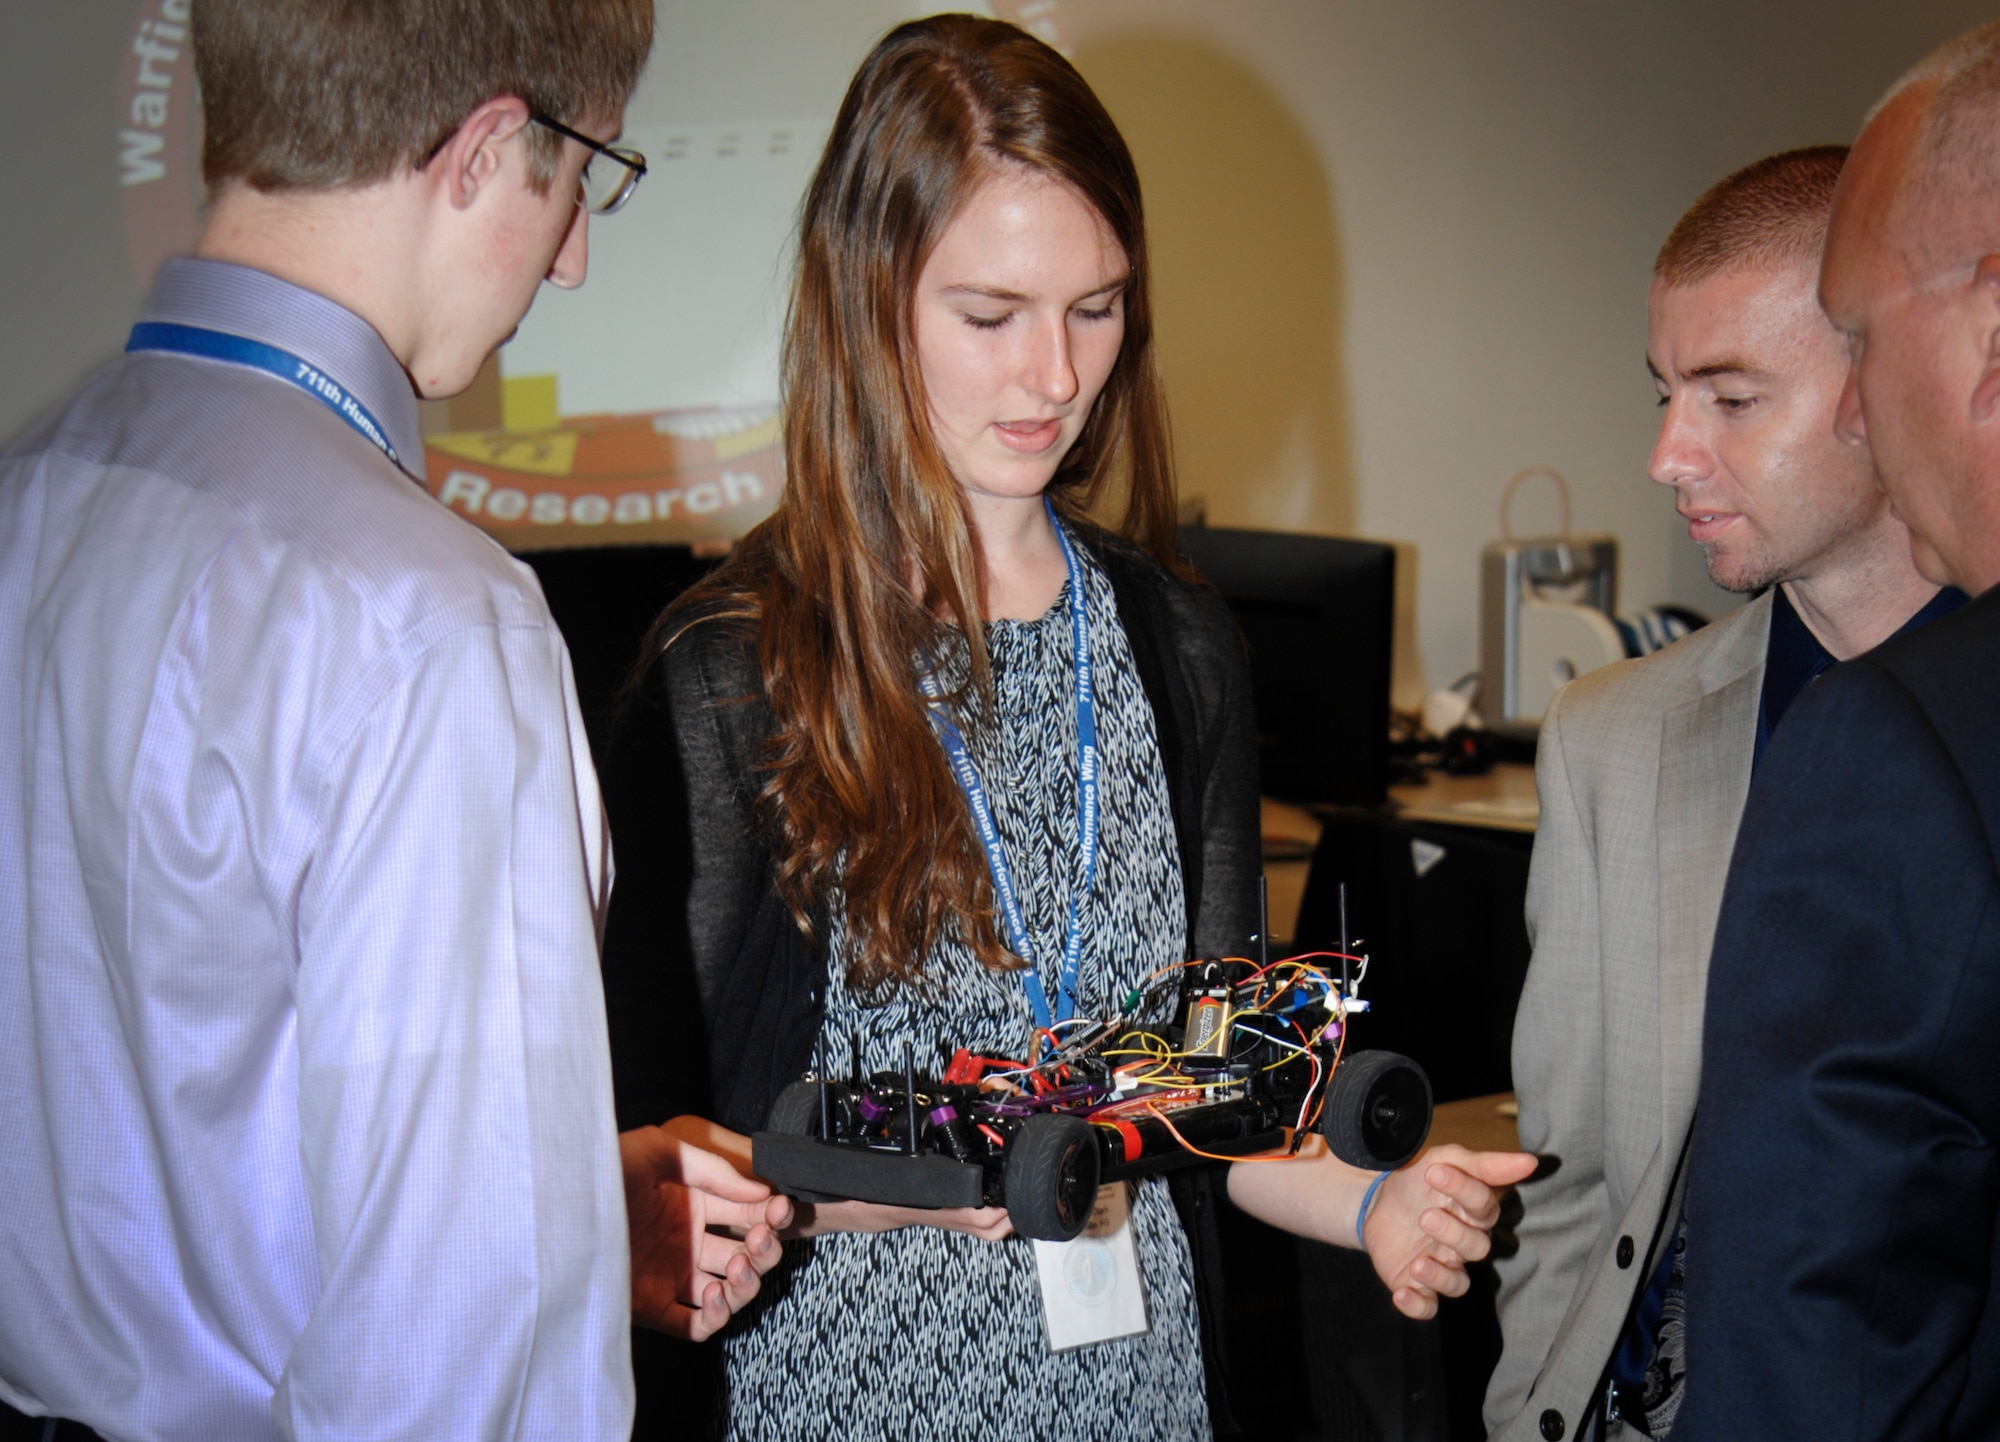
<point>602,189</point>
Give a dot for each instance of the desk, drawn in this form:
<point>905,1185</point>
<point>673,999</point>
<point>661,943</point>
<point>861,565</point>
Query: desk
<point>1480,1124</point>
<point>1443,967</point>
<point>1501,800</point>
<point>1444,970</point>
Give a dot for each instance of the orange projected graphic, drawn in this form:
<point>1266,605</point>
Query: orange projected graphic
<point>673,476</point>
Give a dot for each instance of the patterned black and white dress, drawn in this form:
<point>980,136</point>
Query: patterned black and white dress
<point>922,1333</point>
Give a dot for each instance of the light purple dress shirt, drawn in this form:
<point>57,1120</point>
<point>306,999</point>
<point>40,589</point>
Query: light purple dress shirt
<point>305,1102</point>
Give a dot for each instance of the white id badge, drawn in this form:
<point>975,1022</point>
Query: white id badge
<point>1091,1288</point>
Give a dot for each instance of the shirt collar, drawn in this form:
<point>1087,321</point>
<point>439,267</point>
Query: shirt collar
<point>1794,658</point>
<point>216,295</point>
<point>1947,600</point>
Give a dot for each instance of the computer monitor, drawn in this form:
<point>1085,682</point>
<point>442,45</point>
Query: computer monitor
<point>1317,613</point>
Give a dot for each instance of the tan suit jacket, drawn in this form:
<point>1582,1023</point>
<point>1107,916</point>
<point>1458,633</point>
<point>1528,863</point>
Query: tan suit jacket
<point>1643,768</point>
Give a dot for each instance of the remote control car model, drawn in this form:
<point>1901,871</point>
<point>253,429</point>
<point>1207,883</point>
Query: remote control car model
<point>1256,1052</point>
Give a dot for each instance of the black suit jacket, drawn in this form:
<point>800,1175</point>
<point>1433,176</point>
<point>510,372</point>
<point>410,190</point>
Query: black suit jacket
<point>1843,1194</point>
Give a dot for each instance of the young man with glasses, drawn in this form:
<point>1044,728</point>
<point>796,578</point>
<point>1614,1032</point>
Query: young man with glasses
<point>304,1087</point>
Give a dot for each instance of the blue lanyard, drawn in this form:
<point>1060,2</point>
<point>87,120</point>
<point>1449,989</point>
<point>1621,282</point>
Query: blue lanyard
<point>1086,784</point>
<point>237,350</point>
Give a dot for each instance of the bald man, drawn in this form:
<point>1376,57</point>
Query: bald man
<point>1844,1193</point>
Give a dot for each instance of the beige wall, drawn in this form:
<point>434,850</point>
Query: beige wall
<point>1402,247</point>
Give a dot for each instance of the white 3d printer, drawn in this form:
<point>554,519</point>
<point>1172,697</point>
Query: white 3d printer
<point>1545,613</point>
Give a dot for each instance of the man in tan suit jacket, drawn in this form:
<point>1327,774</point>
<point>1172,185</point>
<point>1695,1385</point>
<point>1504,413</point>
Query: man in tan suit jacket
<point>1643,768</point>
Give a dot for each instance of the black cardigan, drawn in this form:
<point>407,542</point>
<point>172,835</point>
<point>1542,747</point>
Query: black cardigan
<point>715,995</point>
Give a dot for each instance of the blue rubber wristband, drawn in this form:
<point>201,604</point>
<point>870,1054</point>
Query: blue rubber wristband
<point>1367,1201</point>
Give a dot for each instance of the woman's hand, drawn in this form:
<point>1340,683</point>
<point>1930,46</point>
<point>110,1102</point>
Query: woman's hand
<point>816,1219</point>
<point>1429,1219</point>
<point>1433,1217</point>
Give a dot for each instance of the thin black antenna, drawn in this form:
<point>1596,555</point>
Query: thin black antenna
<point>856,1039</point>
<point>825,1101</point>
<point>1263,922</point>
<point>910,1091</point>
<point>1346,987</point>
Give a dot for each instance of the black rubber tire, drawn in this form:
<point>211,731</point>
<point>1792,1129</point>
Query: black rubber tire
<point>1051,1177</point>
<point>796,1111</point>
<point>796,1114</point>
<point>1378,1110</point>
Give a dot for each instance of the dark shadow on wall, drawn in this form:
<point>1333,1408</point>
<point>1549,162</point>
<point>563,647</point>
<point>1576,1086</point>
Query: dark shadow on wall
<point>1251,282</point>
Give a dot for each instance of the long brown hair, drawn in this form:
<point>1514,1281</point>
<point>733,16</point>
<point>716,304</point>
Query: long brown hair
<point>858,797</point>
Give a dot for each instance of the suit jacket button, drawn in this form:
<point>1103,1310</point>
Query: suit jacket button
<point>1552,1425</point>
<point>1624,1253</point>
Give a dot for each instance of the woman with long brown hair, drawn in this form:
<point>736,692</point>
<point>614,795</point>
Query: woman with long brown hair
<point>969,377</point>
